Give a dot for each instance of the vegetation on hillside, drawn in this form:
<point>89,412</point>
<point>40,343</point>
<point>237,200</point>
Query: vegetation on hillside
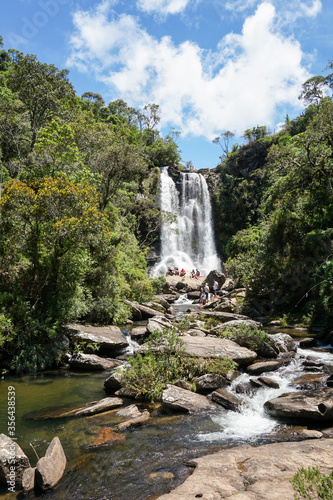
<point>79,182</point>
<point>78,190</point>
<point>273,205</point>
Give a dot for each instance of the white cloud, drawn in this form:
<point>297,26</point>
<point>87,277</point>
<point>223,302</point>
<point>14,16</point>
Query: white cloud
<point>163,6</point>
<point>240,5</point>
<point>291,10</point>
<point>239,85</point>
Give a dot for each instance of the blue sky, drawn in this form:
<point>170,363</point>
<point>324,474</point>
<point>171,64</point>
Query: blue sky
<point>211,65</point>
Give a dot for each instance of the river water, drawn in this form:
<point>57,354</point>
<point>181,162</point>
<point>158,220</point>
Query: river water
<point>150,460</point>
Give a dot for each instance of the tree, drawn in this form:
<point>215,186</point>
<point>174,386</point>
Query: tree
<point>315,88</point>
<point>44,90</point>
<point>151,116</point>
<point>55,153</point>
<point>116,164</point>
<point>226,138</point>
<point>256,133</point>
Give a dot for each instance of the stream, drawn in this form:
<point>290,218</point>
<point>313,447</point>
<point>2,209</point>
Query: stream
<point>150,460</point>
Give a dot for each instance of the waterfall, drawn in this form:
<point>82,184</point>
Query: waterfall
<point>188,240</point>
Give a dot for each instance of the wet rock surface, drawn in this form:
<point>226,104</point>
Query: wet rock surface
<point>228,400</point>
<point>310,405</point>
<point>104,404</point>
<point>253,473</point>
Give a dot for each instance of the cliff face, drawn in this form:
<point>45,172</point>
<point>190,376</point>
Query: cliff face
<point>236,188</point>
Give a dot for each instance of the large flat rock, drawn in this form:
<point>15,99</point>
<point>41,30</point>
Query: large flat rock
<point>315,404</point>
<point>92,362</point>
<point>110,338</point>
<point>179,399</point>
<point>253,473</point>
<point>212,347</point>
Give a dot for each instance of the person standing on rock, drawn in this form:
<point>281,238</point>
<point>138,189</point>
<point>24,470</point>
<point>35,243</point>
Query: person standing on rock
<point>215,287</point>
<point>202,296</point>
<point>206,290</point>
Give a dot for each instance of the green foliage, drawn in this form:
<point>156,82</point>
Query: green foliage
<point>184,323</point>
<point>51,93</point>
<point>6,330</point>
<point>211,323</point>
<point>158,284</point>
<point>164,363</point>
<point>284,256</point>
<point>79,182</point>
<point>246,336</point>
<point>256,133</point>
<point>311,484</point>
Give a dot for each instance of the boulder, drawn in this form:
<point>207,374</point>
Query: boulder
<point>328,432</point>
<point>162,300</point>
<point>183,384</point>
<point>225,305</point>
<point>308,342</point>
<point>92,362</point>
<point>236,323</point>
<point>264,366</point>
<point>110,338</point>
<point>253,472</point>
<point>171,297</point>
<point>158,324</point>
<point>148,312</point>
<point>138,332</point>
<point>225,317</point>
<point>316,404</point>
<point>311,364</point>
<point>180,399</point>
<point>212,347</point>
<point>309,381</point>
<point>113,383</point>
<point>129,411</point>
<point>156,306</point>
<point>28,479</point>
<point>214,276</point>
<point>229,284</point>
<point>135,311</point>
<point>51,467</point>
<point>13,463</point>
<point>283,342</point>
<point>104,404</point>
<point>232,375</point>
<point>264,382</point>
<point>209,382</point>
<point>135,421</point>
<point>226,399</point>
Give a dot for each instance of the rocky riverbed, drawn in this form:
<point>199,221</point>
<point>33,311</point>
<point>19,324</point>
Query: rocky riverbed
<point>280,392</point>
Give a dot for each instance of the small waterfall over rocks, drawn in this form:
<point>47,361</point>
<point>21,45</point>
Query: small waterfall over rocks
<point>188,241</point>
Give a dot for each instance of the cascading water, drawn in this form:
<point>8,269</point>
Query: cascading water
<point>252,421</point>
<point>187,241</point>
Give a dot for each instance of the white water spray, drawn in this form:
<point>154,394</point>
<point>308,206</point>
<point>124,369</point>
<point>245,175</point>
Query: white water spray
<point>188,241</point>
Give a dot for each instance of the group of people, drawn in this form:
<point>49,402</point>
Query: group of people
<point>176,272</point>
<point>205,292</point>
